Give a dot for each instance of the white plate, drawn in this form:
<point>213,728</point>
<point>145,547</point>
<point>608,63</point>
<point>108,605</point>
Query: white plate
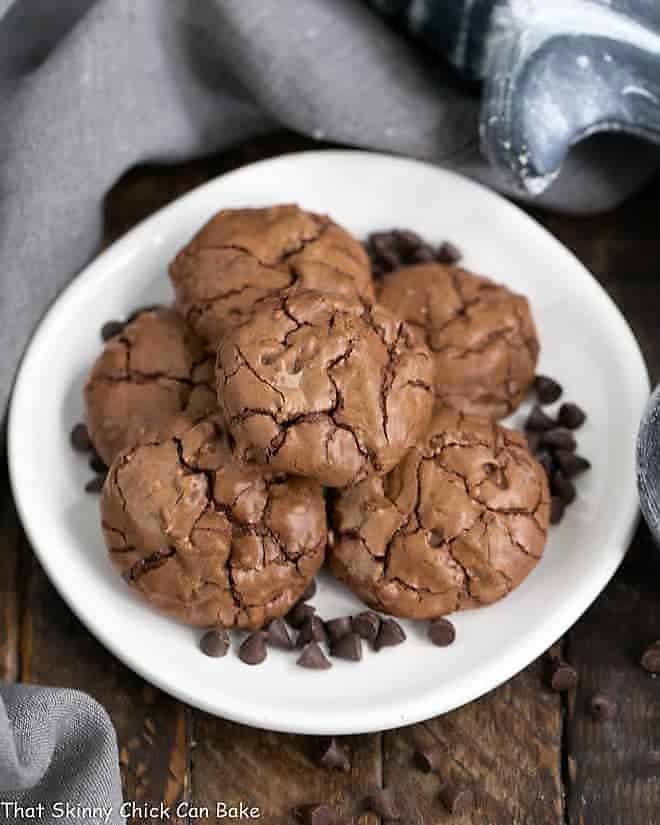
<point>585,343</point>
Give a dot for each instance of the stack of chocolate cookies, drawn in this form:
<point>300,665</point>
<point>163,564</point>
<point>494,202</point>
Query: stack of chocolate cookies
<point>288,392</point>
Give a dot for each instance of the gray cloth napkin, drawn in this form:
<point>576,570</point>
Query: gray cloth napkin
<point>89,89</point>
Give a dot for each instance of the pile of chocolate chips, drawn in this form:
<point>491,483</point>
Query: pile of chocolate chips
<point>553,443</point>
<point>82,443</point>
<point>396,248</point>
<point>303,630</point>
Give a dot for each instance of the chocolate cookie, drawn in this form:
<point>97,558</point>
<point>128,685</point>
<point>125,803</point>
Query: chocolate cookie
<point>458,523</point>
<point>481,334</point>
<point>242,256</point>
<point>155,369</point>
<point>324,386</point>
<point>207,540</point>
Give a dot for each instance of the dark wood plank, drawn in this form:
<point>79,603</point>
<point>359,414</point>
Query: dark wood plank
<point>152,729</point>
<point>10,548</point>
<point>276,772</point>
<point>506,746</point>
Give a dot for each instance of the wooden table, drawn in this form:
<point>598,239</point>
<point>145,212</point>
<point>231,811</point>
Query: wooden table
<point>536,757</point>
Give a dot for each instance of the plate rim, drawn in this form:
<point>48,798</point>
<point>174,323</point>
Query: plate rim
<point>421,707</point>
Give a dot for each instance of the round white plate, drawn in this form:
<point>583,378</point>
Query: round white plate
<point>585,343</point>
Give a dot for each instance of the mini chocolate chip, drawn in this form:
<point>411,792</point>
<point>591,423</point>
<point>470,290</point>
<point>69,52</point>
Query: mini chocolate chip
<point>448,253</point>
<point>547,389</point>
<point>110,329</point>
<point>442,632</point>
<point>390,633</point>
<point>277,635</point>
<point>427,759</point>
<point>253,649</point>
<point>313,657</point>
<point>348,647</point>
<point>299,614</point>
<point>559,439</point>
<point>331,756</point>
<point>95,485</point>
<point>310,591</point>
<point>533,440</point>
<point>97,464</point>
<point>80,439</point>
<point>457,799</point>
<point>561,675</point>
<point>367,625</point>
<point>215,642</point>
<point>382,246</point>
<point>406,240</point>
<point>571,464</point>
<point>650,660</point>
<point>556,510</point>
<point>564,488</point>
<point>338,628</point>
<point>315,814</point>
<point>602,708</point>
<point>539,421</point>
<point>424,254</point>
<point>571,416</point>
<point>312,631</point>
<point>382,802</point>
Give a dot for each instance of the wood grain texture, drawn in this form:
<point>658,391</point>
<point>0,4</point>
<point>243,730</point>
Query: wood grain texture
<point>11,546</point>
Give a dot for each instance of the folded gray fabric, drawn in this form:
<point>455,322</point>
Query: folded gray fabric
<point>90,88</point>
<point>57,749</point>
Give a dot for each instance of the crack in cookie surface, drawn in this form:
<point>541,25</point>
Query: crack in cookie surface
<point>245,256</point>
<point>482,335</point>
<point>324,386</point>
<point>206,539</point>
<point>460,522</point>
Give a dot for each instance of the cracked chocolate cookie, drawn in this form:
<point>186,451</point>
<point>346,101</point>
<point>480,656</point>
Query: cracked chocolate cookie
<point>324,386</point>
<point>208,540</point>
<point>482,335</point>
<point>242,256</point>
<point>154,370</point>
<point>459,523</point>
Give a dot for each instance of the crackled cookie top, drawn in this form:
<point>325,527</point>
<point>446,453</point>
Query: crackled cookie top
<point>242,256</point>
<point>324,386</point>
<point>156,368</point>
<point>482,335</point>
<point>208,540</point>
<point>460,522</point>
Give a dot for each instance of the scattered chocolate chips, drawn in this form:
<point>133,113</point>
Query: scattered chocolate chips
<point>448,253</point>
<point>299,614</point>
<point>561,675</point>
<point>97,464</point>
<point>382,802</point>
<point>367,625</point>
<point>110,329</point>
<point>277,635</point>
<point>563,488</point>
<point>347,647</point>
<point>95,485</point>
<point>559,439</point>
<point>310,591</point>
<point>571,416</point>
<point>539,421</point>
<point>650,660</point>
<point>315,814</point>
<point>602,708</point>
<point>253,649</point>
<point>338,628</point>
<point>390,634</point>
<point>556,510</point>
<point>80,439</point>
<point>427,759</point>
<point>215,643</point>
<point>457,799</point>
<point>312,631</point>
<point>547,389</point>
<point>329,755</point>
<point>313,657</point>
<point>571,464</point>
<point>441,632</point>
